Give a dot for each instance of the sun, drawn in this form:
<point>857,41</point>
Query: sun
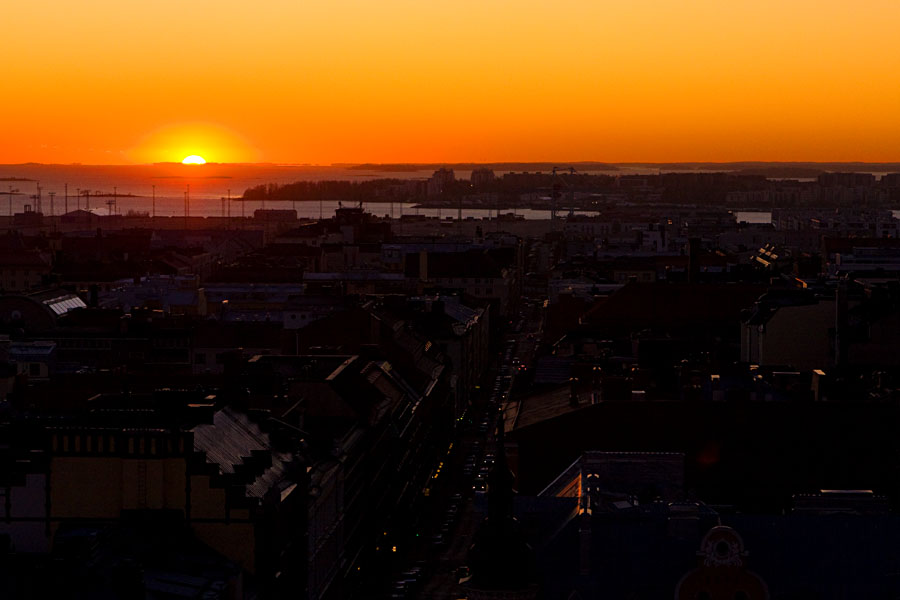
<point>193,159</point>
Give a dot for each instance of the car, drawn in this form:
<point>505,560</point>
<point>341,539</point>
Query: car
<point>408,582</point>
<point>463,574</point>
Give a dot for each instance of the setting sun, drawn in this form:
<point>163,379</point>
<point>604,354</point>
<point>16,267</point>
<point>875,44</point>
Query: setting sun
<point>193,159</point>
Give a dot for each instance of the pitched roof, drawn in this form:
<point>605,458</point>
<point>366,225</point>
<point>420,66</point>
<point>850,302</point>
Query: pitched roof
<point>659,304</point>
<point>230,440</point>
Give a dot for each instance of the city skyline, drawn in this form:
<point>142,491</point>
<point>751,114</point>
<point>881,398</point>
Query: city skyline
<point>356,82</point>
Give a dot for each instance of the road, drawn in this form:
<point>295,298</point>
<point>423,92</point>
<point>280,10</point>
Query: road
<point>471,456</point>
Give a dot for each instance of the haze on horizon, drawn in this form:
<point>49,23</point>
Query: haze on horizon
<point>351,81</point>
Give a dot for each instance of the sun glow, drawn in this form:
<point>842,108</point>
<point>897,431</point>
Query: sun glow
<point>210,142</point>
<point>193,159</point>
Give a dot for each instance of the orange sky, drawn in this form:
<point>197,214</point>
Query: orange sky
<point>103,81</point>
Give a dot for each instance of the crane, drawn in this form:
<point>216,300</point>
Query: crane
<point>557,187</point>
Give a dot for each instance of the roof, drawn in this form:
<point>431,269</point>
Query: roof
<point>656,304</point>
<point>833,245</point>
<point>15,253</point>
<point>471,263</point>
<point>540,407</point>
<point>231,439</point>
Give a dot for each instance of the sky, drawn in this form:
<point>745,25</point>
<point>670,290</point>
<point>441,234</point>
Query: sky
<point>343,81</point>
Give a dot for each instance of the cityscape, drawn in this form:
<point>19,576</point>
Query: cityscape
<point>496,301</point>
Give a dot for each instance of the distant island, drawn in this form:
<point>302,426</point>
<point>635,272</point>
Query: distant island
<point>496,166</point>
<point>770,169</point>
<point>122,195</point>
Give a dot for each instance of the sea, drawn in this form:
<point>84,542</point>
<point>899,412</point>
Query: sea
<point>162,189</point>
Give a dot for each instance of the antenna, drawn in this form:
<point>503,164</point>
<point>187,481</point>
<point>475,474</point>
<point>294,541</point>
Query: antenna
<point>51,202</point>
<point>153,206</point>
<point>66,204</point>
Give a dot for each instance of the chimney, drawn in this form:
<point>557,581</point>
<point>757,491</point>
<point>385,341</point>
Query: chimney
<point>693,260</point>
<point>596,384</point>
<point>423,265</point>
<point>573,391</point>
<point>584,542</point>
<point>819,385</point>
<point>840,323</point>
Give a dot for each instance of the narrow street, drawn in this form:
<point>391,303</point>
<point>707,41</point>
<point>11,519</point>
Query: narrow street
<point>457,502</point>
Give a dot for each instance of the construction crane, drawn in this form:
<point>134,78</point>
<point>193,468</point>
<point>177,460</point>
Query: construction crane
<point>557,189</point>
<point>113,203</point>
<point>87,197</point>
<point>37,199</point>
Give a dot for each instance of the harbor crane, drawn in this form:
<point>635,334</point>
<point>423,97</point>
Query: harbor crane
<point>557,189</point>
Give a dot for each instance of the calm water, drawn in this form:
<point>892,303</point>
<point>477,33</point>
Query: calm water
<point>208,185</point>
<point>755,217</point>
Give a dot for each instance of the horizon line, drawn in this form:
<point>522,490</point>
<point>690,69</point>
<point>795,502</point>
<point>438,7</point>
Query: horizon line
<point>428,164</point>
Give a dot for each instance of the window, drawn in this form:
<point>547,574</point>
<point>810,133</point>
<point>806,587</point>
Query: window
<point>34,369</point>
<point>200,358</point>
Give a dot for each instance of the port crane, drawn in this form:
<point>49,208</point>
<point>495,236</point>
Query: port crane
<point>557,189</point>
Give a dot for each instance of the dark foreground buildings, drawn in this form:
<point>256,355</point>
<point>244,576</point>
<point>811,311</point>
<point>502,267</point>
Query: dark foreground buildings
<point>651,400</point>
